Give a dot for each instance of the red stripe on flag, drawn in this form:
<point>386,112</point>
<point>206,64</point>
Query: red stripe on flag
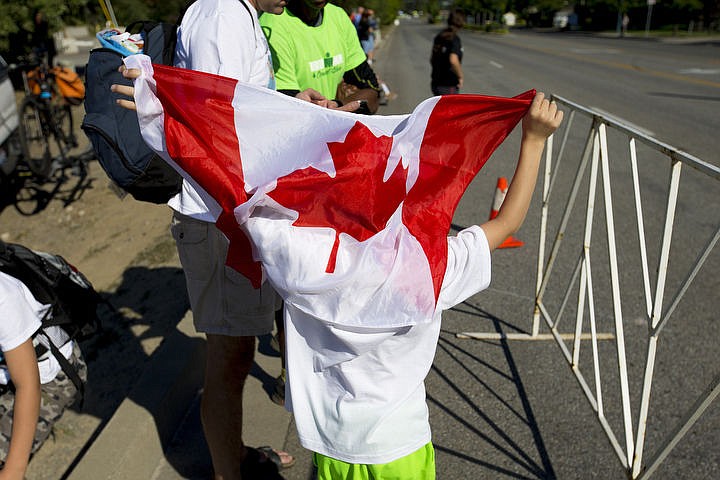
<point>461,134</point>
<point>200,129</point>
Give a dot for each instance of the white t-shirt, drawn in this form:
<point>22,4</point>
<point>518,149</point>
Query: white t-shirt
<point>20,318</point>
<point>221,37</point>
<point>359,395</point>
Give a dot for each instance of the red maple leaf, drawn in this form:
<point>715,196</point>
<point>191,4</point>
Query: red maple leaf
<point>356,201</point>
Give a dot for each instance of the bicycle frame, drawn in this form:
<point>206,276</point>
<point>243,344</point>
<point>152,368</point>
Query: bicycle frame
<point>45,116</point>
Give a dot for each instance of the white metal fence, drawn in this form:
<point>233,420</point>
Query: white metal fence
<point>625,177</point>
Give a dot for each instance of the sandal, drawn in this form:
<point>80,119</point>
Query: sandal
<point>258,466</point>
<point>277,456</point>
<point>261,464</point>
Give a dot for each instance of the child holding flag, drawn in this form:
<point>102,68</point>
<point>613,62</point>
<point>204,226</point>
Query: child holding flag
<point>372,197</point>
<point>358,393</point>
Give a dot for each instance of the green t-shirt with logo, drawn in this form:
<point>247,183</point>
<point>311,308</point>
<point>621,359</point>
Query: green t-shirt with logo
<point>312,57</point>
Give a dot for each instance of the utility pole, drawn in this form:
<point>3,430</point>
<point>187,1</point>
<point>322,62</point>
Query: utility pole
<point>650,4</point>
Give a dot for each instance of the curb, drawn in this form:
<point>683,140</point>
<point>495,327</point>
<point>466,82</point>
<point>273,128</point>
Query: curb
<point>136,436</point>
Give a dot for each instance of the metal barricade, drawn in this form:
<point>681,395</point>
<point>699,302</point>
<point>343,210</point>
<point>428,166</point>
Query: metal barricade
<point>628,281</point>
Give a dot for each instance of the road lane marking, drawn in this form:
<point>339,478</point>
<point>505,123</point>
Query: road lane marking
<point>593,51</point>
<point>495,64</point>
<point>700,71</point>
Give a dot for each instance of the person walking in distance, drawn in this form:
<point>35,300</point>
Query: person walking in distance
<point>446,58</point>
<point>366,34</point>
<point>41,38</point>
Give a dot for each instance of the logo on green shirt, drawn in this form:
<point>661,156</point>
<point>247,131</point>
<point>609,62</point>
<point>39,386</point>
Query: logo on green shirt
<point>328,65</point>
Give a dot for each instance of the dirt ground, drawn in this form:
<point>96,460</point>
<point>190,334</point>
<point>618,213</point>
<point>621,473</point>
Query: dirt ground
<point>124,248</point>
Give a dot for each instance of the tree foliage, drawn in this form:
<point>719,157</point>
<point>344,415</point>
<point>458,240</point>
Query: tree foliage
<point>385,10</point>
<point>18,16</point>
<point>16,21</point>
<point>128,11</point>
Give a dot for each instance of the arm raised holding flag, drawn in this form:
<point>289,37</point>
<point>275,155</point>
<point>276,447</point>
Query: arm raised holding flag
<point>542,119</point>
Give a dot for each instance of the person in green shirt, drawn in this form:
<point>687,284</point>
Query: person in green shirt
<point>315,45</point>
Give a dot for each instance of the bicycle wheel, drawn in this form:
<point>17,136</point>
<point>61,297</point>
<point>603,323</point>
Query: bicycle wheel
<point>34,137</point>
<point>64,122</point>
<point>60,123</point>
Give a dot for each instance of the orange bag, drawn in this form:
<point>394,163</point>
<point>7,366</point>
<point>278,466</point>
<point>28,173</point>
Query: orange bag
<point>70,84</point>
<point>32,79</point>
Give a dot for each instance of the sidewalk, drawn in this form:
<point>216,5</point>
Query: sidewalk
<point>156,432</point>
<point>653,37</point>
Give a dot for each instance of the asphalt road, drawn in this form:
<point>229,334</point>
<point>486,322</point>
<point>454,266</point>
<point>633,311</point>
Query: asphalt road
<point>672,90</point>
<point>513,409</point>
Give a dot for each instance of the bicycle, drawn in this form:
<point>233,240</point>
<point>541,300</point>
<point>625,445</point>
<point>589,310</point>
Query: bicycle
<point>46,123</point>
<point>46,133</point>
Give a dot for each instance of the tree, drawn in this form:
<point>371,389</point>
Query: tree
<point>385,10</point>
<point>16,22</point>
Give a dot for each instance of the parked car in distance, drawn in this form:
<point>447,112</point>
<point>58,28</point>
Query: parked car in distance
<point>565,20</point>
<point>9,141</point>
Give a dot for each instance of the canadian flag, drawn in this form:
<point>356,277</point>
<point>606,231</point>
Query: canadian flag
<point>347,215</point>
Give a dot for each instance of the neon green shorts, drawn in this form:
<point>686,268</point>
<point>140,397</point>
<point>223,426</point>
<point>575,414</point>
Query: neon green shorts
<point>419,465</point>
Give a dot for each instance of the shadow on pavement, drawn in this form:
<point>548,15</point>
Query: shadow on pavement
<point>148,305</point>
<point>500,421</point>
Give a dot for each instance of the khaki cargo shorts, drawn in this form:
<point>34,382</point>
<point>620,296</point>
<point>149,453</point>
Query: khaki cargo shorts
<point>222,300</point>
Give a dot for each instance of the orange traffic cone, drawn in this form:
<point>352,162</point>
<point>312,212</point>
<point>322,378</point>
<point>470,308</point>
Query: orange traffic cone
<point>500,191</point>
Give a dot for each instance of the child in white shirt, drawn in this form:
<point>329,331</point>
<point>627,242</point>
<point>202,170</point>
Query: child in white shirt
<point>37,391</point>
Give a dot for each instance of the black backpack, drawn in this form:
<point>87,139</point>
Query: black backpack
<point>440,56</point>
<point>53,281</point>
<point>114,131</point>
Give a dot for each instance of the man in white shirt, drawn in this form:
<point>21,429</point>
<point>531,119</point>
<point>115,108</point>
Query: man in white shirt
<point>224,37</point>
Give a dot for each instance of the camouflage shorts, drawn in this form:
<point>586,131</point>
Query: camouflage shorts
<point>55,397</point>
